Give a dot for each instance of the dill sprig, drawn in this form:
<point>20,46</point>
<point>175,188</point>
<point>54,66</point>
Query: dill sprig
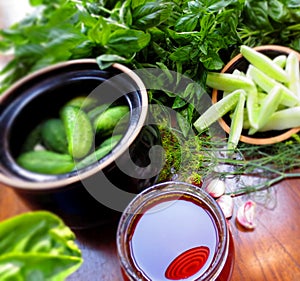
<point>255,167</point>
<point>260,166</point>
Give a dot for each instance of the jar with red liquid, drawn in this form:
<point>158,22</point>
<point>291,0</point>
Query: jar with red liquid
<point>174,231</point>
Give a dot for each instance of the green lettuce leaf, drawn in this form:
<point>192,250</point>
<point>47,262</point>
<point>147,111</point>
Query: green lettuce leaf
<point>37,246</point>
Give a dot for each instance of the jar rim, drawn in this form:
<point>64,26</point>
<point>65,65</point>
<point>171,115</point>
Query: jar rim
<point>141,203</point>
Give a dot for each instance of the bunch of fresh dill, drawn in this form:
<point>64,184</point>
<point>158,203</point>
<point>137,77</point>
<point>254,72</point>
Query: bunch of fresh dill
<point>196,158</point>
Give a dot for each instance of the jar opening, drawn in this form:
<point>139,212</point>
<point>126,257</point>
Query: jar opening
<point>186,234</point>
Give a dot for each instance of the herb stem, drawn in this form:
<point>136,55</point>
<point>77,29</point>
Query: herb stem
<point>263,186</point>
<point>105,10</point>
<point>246,33</point>
<point>295,27</point>
<point>268,164</point>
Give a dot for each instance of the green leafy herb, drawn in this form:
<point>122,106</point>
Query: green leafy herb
<point>37,246</point>
<point>271,22</point>
<point>187,36</point>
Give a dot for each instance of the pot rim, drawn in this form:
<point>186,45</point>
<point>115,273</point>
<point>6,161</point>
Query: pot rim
<point>15,182</point>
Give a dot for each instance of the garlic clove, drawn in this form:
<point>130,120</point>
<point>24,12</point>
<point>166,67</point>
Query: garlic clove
<point>246,214</point>
<point>226,204</point>
<point>216,188</point>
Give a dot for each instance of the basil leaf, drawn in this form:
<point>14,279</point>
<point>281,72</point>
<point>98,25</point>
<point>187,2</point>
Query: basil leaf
<point>216,5</point>
<point>296,44</point>
<point>187,23</point>
<point>128,41</point>
<point>294,4</point>
<point>182,54</point>
<point>151,14</point>
<point>178,103</point>
<point>29,50</point>
<point>280,12</point>
<point>212,61</point>
<point>183,122</point>
<point>100,32</point>
<point>256,13</point>
<point>107,60</point>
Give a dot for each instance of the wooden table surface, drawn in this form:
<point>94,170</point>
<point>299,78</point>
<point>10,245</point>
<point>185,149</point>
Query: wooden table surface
<point>269,253</point>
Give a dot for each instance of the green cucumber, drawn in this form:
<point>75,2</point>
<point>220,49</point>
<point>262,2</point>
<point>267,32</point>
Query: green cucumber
<point>264,63</point>
<point>32,139</point>
<point>106,122</point>
<point>228,82</point>
<point>280,60</point>
<point>83,102</point>
<point>95,112</point>
<point>237,122</point>
<point>266,83</point>
<point>99,153</point>
<point>79,131</point>
<point>293,71</point>
<point>46,162</point>
<point>269,106</point>
<point>283,119</point>
<point>54,135</point>
<point>217,110</point>
<point>113,139</point>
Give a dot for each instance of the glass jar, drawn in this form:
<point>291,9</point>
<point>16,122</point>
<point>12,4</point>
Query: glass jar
<point>174,231</point>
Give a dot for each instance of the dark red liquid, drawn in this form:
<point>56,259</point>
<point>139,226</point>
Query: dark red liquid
<point>175,239</point>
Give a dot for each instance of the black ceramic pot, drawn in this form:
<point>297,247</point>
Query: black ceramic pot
<point>98,193</point>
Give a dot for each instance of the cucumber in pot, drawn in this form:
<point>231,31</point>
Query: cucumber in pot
<point>33,138</point>
<point>99,153</point>
<point>79,131</point>
<point>83,102</point>
<point>110,141</point>
<point>96,111</point>
<point>106,122</point>
<point>54,135</point>
<point>46,162</point>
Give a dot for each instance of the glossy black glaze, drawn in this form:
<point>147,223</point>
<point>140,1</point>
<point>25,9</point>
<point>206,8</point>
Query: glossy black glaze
<point>41,97</point>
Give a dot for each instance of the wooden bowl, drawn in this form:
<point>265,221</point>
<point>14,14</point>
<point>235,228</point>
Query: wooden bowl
<point>240,63</point>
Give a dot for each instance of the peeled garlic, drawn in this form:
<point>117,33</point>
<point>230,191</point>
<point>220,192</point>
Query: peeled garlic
<point>216,188</point>
<point>226,204</point>
<point>246,213</point>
